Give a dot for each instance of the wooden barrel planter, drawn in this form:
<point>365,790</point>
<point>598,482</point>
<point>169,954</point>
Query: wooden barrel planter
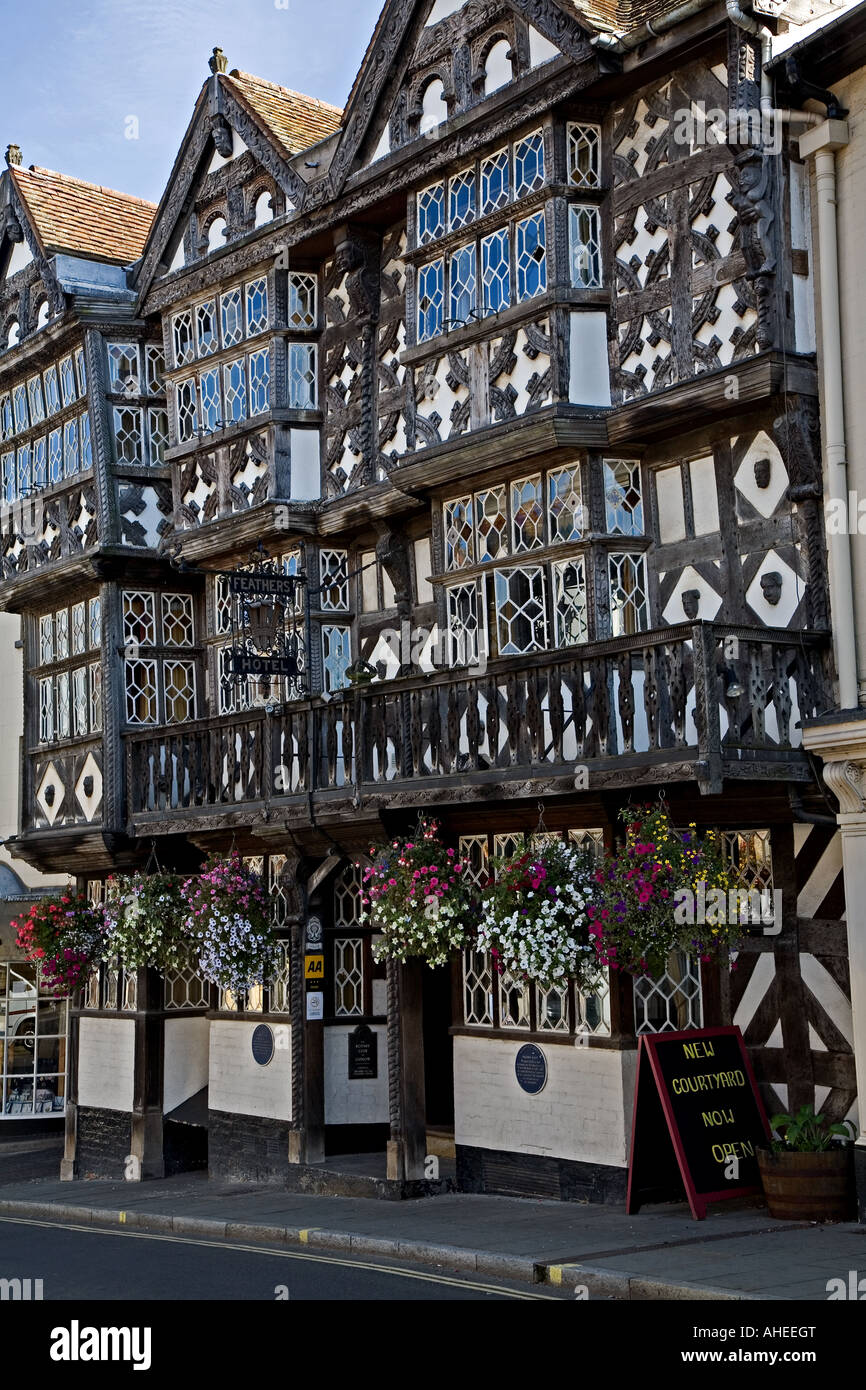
<point>809,1186</point>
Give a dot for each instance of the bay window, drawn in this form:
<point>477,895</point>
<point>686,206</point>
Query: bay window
<point>532,572</point>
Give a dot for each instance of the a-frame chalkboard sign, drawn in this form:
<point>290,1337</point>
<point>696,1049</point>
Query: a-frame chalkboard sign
<point>697,1114</point>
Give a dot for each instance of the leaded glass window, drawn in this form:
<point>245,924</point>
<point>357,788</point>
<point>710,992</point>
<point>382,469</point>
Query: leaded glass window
<point>260,380</point>
<point>182,338</point>
<point>495,182</point>
<point>37,405</point>
<point>123,368</point>
<point>86,445</point>
<point>61,633</point>
<point>80,701</point>
<point>46,709</point>
<point>40,463</point>
<point>95,670</point>
<point>431,213</point>
<point>95,621</point>
<point>336,656</point>
<point>19,402</point>
<point>496,271</point>
<point>52,391</point>
<point>177,620</point>
<point>528,164</point>
<point>348,975</point>
<point>235,391</point>
<point>158,427</point>
<point>128,435</point>
<point>461,275</point>
<point>79,628</point>
<point>24,470</point>
<point>211,405</point>
<point>141,691</point>
<point>67,380</point>
<point>623,504</point>
<point>527,513</point>
<point>207,333</point>
<point>521,610</point>
<point>569,602</point>
<point>461,199</point>
<point>564,504</point>
<point>257,306</point>
<point>81,371</point>
<point>584,232</point>
<point>231,310</point>
<point>333,580</point>
<point>628,602</point>
<point>584,155</point>
<point>302,376</point>
<point>302,300</point>
<point>139,618</point>
<point>491,524</point>
<point>463,624</point>
<point>155,373</point>
<point>458,533</point>
<point>10,480</point>
<point>46,638</point>
<point>179,685</point>
<point>70,448</point>
<point>431,300</point>
<point>531,257</point>
<point>63,705</point>
<point>55,456</point>
<point>7,429</point>
<point>185,404</point>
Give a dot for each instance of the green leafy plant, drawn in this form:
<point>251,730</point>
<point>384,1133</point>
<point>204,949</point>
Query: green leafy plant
<point>535,921</point>
<point>807,1132</point>
<point>63,935</point>
<point>639,912</point>
<point>145,916</point>
<point>415,895</point>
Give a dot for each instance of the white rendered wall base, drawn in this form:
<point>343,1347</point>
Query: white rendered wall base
<point>583,1113</point>
<point>237,1084</point>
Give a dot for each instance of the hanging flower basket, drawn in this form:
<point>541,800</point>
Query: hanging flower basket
<point>228,922</point>
<point>146,922</point>
<point>535,917</point>
<point>414,893</point>
<point>664,891</point>
<point>63,935</point>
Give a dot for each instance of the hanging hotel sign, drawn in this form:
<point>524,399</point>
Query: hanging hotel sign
<point>267,620</point>
<point>698,1120</point>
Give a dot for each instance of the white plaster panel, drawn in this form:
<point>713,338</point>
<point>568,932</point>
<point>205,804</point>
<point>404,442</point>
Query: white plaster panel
<point>106,1063</point>
<point>185,1065</point>
<point>541,50</point>
<point>583,1113</point>
<point>708,605</point>
<point>589,374</point>
<point>705,499</point>
<point>306,470</point>
<point>354,1102</point>
<point>669,493</point>
<point>237,1084</point>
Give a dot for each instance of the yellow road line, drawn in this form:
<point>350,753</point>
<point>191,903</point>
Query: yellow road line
<point>217,1244</point>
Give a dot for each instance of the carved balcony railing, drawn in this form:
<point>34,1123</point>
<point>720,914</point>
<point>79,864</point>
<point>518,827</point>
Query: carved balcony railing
<point>697,702</point>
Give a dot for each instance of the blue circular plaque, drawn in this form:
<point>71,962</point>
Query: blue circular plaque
<point>263,1044</point>
<point>530,1068</point>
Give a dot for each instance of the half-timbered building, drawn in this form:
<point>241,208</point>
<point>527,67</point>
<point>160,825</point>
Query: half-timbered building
<point>512,362</point>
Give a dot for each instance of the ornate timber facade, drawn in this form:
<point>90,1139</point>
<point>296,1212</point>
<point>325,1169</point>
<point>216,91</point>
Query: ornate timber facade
<point>521,379</point>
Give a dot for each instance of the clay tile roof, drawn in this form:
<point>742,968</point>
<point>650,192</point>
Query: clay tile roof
<point>295,121</point>
<point>83,218</point>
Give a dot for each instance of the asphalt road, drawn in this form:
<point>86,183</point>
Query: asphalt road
<point>77,1263</point>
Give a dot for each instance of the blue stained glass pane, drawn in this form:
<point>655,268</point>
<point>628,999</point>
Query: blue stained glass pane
<point>40,463</point>
<point>431,297</point>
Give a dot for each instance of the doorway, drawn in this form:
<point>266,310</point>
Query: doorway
<point>438,1048</point>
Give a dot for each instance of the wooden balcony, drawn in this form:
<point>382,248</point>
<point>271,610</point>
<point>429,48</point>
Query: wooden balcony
<point>697,702</point>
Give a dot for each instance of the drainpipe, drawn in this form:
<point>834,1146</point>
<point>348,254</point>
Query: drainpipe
<point>821,142</point>
<point>748,22</point>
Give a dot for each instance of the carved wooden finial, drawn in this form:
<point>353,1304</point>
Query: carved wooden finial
<point>13,155</point>
<point>219,62</point>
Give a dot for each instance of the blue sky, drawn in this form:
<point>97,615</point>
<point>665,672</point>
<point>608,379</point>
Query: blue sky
<point>77,69</point>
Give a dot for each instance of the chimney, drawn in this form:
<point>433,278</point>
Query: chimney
<point>13,155</point>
